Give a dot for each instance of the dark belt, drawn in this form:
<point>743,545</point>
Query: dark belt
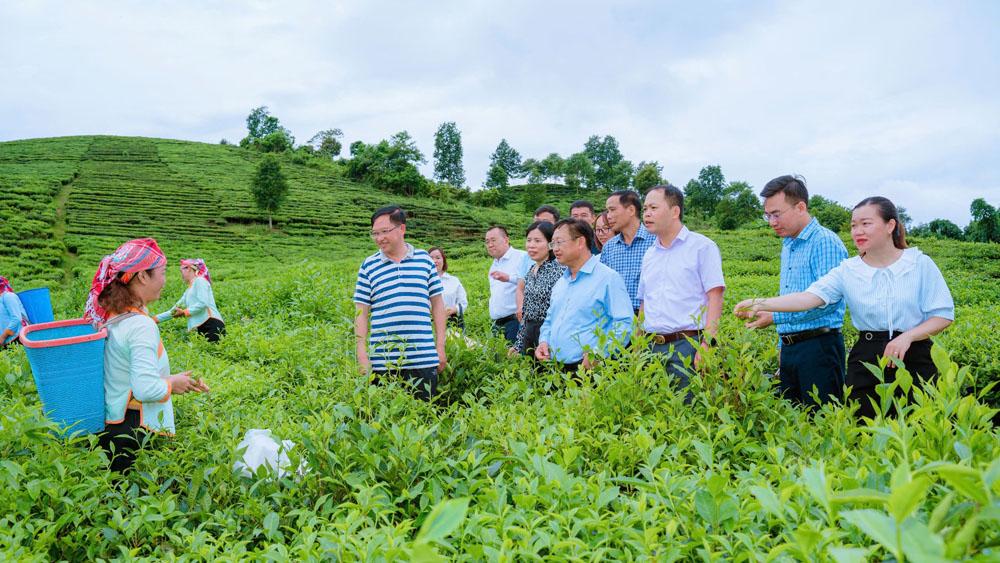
<point>877,335</point>
<point>675,336</point>
<point>801,336</point>
<point>505,320</point>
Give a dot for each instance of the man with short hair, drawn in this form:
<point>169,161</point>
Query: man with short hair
<point>547,213</point>
<point>583,210</point>
<point>624,252</point>
<point>505,271</point>
<point>589,299</point>
<point>398,287</point>
<point>681,284</point>
<point>811,345</point>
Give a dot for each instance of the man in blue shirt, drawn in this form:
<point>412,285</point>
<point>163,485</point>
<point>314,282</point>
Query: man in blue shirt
<point>588,300</point>
<point>624,252</point>
<point>811,344</point>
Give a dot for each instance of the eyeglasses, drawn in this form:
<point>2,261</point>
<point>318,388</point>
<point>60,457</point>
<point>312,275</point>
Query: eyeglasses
<point>382,233</point>
<point>557,243</point>
<point>776,215</point>
<point>602,230</point>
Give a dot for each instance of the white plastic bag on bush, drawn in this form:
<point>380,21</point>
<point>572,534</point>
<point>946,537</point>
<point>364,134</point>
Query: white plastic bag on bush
<point>262,449</point>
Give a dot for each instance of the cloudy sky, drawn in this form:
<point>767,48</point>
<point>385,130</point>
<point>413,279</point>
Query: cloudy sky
<point>894,98</point>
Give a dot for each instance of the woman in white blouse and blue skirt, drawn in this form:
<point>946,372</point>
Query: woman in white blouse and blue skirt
<point>455,299</point>
<point>897,297</point>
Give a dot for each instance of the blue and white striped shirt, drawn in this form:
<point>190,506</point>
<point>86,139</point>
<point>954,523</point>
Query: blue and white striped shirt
<point>399,294</point>
<point>895,298</point>
<point>805,259</point>
<point>626,259</point>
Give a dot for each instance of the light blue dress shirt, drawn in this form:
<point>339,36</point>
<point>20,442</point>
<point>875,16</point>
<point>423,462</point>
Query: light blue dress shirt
<point>582,308</point>
<point>11,313</point>
<point>805,259</point>
<point>895,298</point>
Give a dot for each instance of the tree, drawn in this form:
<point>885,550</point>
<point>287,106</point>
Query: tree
<point>647,175</point>
<point>389,165</point>
<point>611,170</point>
<point>497,177</point>
<point>507,158</point>
<point>904,217</point>
<point>738,206</point>
<point>269,187</point>
<point>448,155</point>
<point>703,194</point>
<point>264,132</point>
<point>327,142</point>
<point>578,171</point>
<point>830,214</point>
<point>985,224</point>
<point>533,169</point>
<point>553,166</point>
<point>943,228</point>
<point>533,197</point>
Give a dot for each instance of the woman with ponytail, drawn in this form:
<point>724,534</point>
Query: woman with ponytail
<point>897,297</point>
<point>138,386</point>
<point>198,302</point>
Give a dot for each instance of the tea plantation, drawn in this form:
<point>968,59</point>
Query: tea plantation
<point>510,463</point>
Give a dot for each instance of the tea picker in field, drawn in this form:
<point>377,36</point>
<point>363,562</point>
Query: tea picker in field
<point>12,314</point>
<point>399,288</point>
<point>811,354</point>
<point>506,270</point>
<point>623,253</point>
<point>681,284</point>
<point>588,298</point>
<point>537,285</point>
<point>197,304</point>
<point>455,299</point>
<point>138,387</point>
<point>897,298</point>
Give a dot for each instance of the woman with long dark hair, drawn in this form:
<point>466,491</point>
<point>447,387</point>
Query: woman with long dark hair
<point>897,297</point>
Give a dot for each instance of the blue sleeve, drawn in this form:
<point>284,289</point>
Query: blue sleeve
<point>13,312</point>
<point>830,252</point>
<point>829,288</point>
<point>363,288</point>
<point>620,309</point>
<point>935,297</point>
<point>199,297</point>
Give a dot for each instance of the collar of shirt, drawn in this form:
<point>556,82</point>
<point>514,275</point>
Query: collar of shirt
<point>811,227</point>
<point>409,254</point>
<point>641,233</point>
<point>587,268</point>
<point>506,255</point>
<point>682,236</point>
<point>906,262</point>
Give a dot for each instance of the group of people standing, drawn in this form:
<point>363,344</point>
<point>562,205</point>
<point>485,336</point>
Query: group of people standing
<point>583,284</point>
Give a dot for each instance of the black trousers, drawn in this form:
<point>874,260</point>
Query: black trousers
<point>817,362</point>
<point>212,329</point>
<point>918,363</point>
<point>121,441</point>
<point>508,326</point>
<point>422,381</point>
<point>531,329</point>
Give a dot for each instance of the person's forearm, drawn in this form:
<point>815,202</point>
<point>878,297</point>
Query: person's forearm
<point>361,333</point>
<point>440,318</point>
<point>928,328</point>
<point>791,303</point>
<point>714,312</point>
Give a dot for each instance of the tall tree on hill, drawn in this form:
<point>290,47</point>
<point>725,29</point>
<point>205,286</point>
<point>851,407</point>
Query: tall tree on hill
<point>578,171</point>
<point>269,187</point>
<point>985,224</point>
<point>830,214</point>
<point>533,169</point>
<point>497,177</point>
<point>265,133</point>
<point>553,166</point>
<point>507,158</point>
<point>703,194</point>
<point>448,155</point>
<point>738,206</point>
<point>611,170</point>
<point>648,174</point>
<point>389,165</point>
<point>327,142</point>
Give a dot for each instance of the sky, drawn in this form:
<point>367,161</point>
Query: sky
<point>900,99</point>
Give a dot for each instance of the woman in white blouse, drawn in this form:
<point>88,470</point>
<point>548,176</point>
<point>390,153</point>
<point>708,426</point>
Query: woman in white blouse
<point>897,297</point>
<point>455,300</point>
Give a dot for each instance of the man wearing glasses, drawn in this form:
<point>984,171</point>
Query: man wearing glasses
<point>589,299</point>
<point>811,353</point>
<point>398,287</point>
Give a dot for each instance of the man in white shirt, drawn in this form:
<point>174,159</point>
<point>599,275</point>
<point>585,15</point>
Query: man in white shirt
<point>681,283</point>
<point>506,270</point>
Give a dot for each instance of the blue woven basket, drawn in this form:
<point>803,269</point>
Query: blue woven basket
<point>38,304</point>
<point>67,361</point>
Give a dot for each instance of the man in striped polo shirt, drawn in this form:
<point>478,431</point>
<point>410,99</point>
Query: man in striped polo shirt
<point>398,287</point>
<point>811,354</point>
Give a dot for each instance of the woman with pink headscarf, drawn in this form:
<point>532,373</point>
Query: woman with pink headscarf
<point>12,314</point>
<point>138,386</point>
<point>198,302</point>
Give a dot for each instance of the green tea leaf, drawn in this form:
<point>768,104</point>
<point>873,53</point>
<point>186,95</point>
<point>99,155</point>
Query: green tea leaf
<point>445,518</point>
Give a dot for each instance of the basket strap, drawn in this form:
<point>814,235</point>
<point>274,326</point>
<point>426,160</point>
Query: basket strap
<point>119,318</point>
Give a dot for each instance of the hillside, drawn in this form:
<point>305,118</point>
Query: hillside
<point>70,200</point>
